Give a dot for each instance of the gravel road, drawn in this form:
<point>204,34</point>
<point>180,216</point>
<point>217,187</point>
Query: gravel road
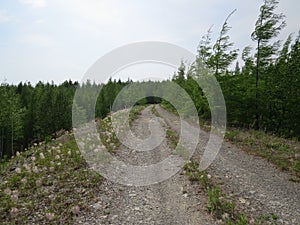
<point>173,201</point>
<point>255,185</point>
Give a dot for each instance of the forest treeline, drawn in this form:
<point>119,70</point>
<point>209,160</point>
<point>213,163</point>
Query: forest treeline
<point>263,93</point>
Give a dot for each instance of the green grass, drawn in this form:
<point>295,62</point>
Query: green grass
<point>167,106</point>
<point>135,112</point>
<point>45,186</point>
<point>154,111</point>
<point>172,137</point>
<point>283,153</point>
<point>108,136</point>
<point>48,183</point>
<point>279,151</point>
<point>269,219</point>
<point>218,205</point>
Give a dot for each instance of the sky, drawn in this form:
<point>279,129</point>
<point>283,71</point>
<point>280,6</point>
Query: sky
<point>57,40</point>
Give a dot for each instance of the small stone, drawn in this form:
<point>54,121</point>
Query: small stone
<point>243,201</point>
<point>225,216</point>
<point>97,205</point>
<point>114,217</point>
<point>132,195</point>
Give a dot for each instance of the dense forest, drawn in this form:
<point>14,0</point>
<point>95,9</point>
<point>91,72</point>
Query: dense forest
<point>262,94</point>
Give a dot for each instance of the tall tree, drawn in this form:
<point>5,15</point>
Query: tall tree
<point>268,26</point>
<point>222,55</point>
<point>205,48</point>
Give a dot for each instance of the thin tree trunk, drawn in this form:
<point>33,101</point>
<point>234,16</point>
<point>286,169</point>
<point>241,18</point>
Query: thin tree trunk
<point>12,136</point>
<point>1,146</point>
<point>256,86</point>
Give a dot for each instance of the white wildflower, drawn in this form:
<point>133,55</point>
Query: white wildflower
<point>14,212</point>
<point>35,169</point>
<point>24,180</point>
<point>18,170</point>
<point>50,216</point>
<point>75,209</point>
<point>7,191</point>
<point>15,195</point>
<point>38,183</point>
<point>27,167</point>
<point>52,196</point>
<point>42,155</point>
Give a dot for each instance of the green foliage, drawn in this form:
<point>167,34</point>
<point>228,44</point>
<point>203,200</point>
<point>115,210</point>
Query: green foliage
<point>279,151</point>
<point>173,137</point>
<point>222,55</point>
<point>38,182</point>
<point>270,219</point>
<point>218,205</point>
<point>214,203</point>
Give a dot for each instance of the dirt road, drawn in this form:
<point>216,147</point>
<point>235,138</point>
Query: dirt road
<point>258,188</point>
<point>173,201</point>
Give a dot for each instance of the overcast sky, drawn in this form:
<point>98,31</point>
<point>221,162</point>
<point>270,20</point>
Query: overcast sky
<point>60,39</point>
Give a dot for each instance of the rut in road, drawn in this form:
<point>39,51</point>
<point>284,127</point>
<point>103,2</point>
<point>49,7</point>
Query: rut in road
<point>257,187</point>
<point>173,201</point>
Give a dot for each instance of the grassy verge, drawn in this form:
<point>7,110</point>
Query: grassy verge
<point>218,205</point>
<point>107,134</point>
<point>169,107</point>
<point>46,185</point>
<point>135,112</point>
<point>283,153</point>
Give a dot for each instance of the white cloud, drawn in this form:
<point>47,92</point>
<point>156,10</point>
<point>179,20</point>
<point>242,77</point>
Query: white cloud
<point>34,3</point>
<point>39,21</point>
<point>39,40</point>
<point>94,12</point>
<point>4,17</point>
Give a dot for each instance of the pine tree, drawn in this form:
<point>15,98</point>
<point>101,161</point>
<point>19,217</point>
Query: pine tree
<point>204,48</point>
<point>222,55</point>
<point>268,26</point>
